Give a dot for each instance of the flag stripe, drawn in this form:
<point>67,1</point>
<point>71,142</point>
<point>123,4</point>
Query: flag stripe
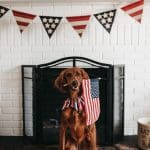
<point>87,100</point>
<point>134,9</point>
<point>136,13</point>
<point>82,22</point>
<point>78,18</point>
<point>137,17</point>
<point>133,5</point>
<point>79,27</point>
<point>22,23</point>
<point>23,15</point>
<point>23,19</point>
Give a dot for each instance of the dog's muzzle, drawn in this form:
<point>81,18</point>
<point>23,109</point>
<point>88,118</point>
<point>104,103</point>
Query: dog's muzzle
<point>74,85</point>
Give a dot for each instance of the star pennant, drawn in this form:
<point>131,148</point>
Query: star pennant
<point>23,19</point>
<point>3,11</point>
<point>79,23</point>
<point>135,10</point>
<point>50,24</point>
<point>106,19</point>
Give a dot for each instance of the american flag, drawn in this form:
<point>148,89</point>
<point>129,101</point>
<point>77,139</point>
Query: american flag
<point>135,10</point>
<point>91,98</point>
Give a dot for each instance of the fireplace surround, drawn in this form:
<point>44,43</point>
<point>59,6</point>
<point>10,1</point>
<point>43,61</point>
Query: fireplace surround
<point>42,102</point>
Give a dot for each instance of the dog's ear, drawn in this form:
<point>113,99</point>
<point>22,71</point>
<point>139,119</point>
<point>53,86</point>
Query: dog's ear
<point>59,82</point>
<point>84,74</point>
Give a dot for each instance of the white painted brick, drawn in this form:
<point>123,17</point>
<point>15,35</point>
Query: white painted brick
<point>128,34</point>
<point>6,131</point>
<point>11,124</point>
<point>121,34</point>
<point>135,34</point>
<point>113,35</point>
<point>17,117</point>
<point>5,117</point>
<point>17,131</point>
<point>11,110</point>
<point>142,36</point>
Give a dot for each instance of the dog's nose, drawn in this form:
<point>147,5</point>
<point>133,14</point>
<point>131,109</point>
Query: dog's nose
<point>75,83</point>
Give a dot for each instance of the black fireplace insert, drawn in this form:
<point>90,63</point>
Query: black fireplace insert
<point>42,102</point>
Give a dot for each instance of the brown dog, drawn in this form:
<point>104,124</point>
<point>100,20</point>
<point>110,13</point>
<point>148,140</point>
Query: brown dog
<point>74,133</point>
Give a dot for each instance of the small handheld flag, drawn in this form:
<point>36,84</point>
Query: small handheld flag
<point>91,99</point>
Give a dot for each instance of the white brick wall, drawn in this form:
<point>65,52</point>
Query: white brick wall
<point>127,44</point>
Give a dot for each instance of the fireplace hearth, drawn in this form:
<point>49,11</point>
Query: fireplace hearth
<point>42,102</point>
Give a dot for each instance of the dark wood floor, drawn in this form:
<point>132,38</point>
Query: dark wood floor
<point>19,143</point>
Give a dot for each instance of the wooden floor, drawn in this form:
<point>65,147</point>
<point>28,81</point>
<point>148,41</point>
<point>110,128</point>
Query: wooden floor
<point>35,147</point>
<point>13,143</point>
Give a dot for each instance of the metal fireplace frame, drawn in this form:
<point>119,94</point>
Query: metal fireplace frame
<point>29,73</point>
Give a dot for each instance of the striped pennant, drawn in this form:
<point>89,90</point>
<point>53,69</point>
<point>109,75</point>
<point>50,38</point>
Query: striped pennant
<point>79,23</point>
<point>23,19</point>
<point>3,11</point>
<point>135,10</point>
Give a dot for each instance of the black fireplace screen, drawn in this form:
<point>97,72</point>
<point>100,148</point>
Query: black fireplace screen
<point>42,102</point>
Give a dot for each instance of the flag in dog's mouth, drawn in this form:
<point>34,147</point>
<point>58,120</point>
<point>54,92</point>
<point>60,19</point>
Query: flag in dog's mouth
<point>91,98</point>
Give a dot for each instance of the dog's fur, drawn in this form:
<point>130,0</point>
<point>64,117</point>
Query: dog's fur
<point>79,134</point>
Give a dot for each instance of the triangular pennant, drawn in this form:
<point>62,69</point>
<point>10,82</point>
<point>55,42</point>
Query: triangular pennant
<point>79,23</point>
<point>106,19</point>
<point>50,24</point>
<point>23,19</point>
<point>3,11</point>
<point>135,10</point>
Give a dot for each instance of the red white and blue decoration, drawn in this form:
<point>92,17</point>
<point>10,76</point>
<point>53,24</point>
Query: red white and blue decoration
<point>90,96</point>
<point>135,10</point>
<point>106,19</point>
<point>77,105</point>
<point>50,24</point>
<point>3,11</point>
<point>23,19</point>
<point>79,23</point>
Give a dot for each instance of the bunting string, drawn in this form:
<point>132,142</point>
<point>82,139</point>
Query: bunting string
<point>78,23</point>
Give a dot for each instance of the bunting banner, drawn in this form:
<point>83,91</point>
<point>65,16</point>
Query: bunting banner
<point>135,10</point>
<point>79,23</point>
<point>3,11</point>
<point>106,19</point>
<point>23,19</point>
<point>50,24</point>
